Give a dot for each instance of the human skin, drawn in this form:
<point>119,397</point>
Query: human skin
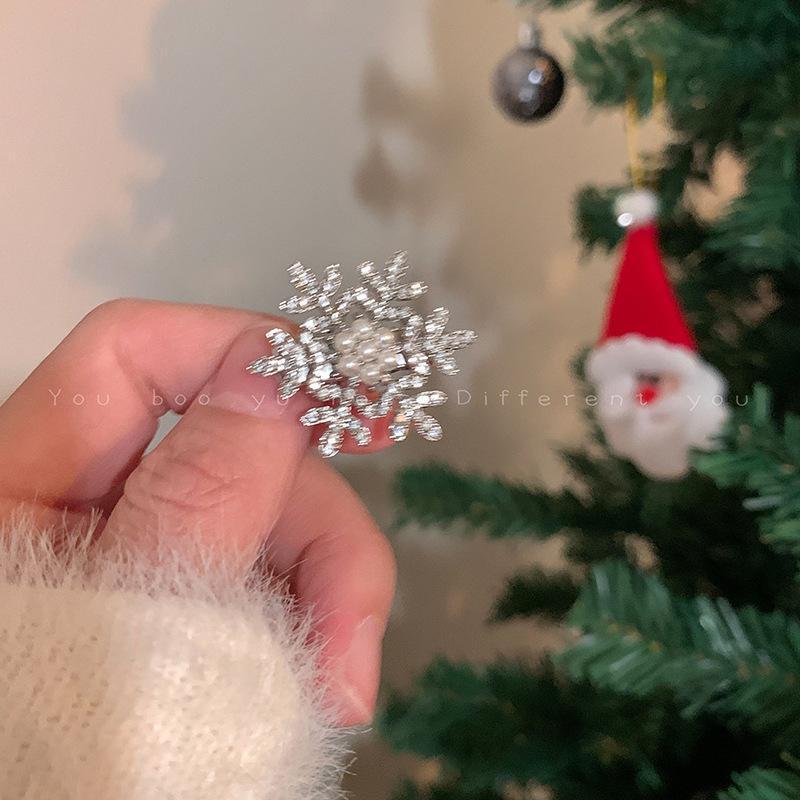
<point>237,470</point>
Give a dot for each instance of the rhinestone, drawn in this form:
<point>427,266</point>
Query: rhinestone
<point>428,428</point>
<point>331,442</point>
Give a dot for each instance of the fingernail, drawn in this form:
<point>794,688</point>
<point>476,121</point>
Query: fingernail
<point>235,389</point>
<point>358,673</point>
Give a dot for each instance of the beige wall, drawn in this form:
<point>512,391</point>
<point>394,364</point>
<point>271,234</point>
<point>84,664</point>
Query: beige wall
<point>191,149</point>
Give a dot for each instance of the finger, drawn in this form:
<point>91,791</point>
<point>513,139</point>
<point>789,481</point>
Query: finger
<point>342,567</point>
<point>78,425</point>
<point>222,474</point>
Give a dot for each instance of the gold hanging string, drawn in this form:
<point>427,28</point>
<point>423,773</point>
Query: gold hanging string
<point>633,119</point>
<point>632,137</point>
<point>659,89</point>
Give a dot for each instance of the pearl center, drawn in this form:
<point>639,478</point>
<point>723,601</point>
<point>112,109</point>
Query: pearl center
<point>366,352</point>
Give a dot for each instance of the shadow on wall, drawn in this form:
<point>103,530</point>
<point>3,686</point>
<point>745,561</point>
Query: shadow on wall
<point>254,111</point>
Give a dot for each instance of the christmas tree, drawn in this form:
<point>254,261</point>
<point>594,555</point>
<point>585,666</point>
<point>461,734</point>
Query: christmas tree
<point>682,675</point>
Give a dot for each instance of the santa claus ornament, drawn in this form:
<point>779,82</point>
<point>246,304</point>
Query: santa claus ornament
<point>657,398</point>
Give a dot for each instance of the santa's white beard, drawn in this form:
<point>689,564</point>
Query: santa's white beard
<point>657,436</point>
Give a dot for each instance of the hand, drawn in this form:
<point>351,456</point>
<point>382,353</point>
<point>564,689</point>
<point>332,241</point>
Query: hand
<point>236,469</point>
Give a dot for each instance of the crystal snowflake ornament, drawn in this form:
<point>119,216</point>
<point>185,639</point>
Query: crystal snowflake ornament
<point>363,353</point>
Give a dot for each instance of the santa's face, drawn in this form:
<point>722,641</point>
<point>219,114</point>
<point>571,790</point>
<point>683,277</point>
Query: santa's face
<point>650,386</point>
<point>656,418</point>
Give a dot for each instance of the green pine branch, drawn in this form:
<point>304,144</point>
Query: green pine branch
<point>438,496</point>
<point>448,790</point>
<point>764,784</point>
<point>596,223</point>
<point>763,457</point>
<point>762,229</point>
<point>639,638</point>
<point>596,522</point>
<point>537,593</point>
<point>510,720</point>
<point>481,723</point>
<point>609,501</point>
<point>512,723</point>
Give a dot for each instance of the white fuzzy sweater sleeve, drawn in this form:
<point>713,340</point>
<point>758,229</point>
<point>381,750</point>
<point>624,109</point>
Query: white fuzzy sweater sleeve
<point>123,682</point>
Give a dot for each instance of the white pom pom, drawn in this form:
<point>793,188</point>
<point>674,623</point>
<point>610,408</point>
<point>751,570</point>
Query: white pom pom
<point>636,208</point>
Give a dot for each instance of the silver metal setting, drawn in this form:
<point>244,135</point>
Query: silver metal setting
<point>363,353</point>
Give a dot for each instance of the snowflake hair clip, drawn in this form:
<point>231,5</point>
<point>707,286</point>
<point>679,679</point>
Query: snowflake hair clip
<point>363,353</point>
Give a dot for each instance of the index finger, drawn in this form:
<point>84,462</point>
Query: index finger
<point>71,431</point>
<point>79,424</point>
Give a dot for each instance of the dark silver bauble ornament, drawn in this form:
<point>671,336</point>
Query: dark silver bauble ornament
<point>528,83</point>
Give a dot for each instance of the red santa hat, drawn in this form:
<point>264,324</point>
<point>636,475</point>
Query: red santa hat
<point>644,328</point>
<point>643,301</point>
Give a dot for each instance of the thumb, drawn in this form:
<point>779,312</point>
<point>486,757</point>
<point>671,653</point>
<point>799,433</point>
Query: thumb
<point>223,473</point>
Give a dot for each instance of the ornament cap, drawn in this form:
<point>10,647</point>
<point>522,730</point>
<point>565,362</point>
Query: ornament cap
<point>635,208</point>
<point>529,36</point>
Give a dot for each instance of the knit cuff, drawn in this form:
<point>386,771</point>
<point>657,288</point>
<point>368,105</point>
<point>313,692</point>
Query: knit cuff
<point>119,681</point>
